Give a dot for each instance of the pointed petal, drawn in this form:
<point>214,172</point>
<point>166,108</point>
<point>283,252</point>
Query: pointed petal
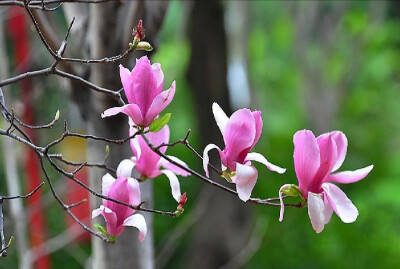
<point>350,176</point>
<point>220,117</point>
<point>139,222</point>
<point>239,135</point>
<point>328,155</point>
<point>144,84</point>
<point>126,80</point>
<point>106,183</point>
<point>174,183</point>
<point>160,102</point>
<point>206,159</point>
<point>282,211</point>
<point>342,205</point>
<point>175,169</point>
<point>254,156</point>
<point>124,168</point>
<point>259,126</point>
<point>159,75</point>
<point>132,110</point>
<point>306,158</point>
<point>341,145</point>
<point>245,179</point>
<point>134,192</point>
<point>316,210</point>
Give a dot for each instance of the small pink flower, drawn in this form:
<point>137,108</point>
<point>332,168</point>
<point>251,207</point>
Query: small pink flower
<point>118,216</point>
<point>315,159</point>
<point>143,88</point>
<point>241,132</point>
<point>148,163</point>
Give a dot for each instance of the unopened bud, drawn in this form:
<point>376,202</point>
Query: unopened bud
<point>107,149</point>
<point>143,45</point>
<point>57,115</point>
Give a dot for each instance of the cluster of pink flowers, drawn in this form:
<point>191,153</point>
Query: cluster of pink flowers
<point>315,159</point>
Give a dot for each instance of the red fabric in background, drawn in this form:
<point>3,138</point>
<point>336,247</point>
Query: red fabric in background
<point>18,30</point>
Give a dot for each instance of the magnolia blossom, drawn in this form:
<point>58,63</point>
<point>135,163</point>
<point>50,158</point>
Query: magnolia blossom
<point>148,163</point>
<point>143,88</point>
<point>241,132</point>
<point>117,216</point>
<point>315,159</point>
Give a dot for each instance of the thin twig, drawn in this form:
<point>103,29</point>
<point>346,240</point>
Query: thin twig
<point>23,196</point>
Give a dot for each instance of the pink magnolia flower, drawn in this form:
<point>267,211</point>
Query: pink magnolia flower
<point>117,216</point>
<point>143,88</point>
<point>241,132</point>
<point>315,159</point>
<point>148,163</point>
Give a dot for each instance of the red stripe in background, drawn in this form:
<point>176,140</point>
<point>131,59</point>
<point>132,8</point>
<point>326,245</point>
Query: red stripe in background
<point>18,30</point>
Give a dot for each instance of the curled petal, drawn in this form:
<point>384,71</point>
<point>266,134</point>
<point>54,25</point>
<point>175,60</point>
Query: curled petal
<point>316,211</point>
<point>220,117</point>
<point>282,211</point>
<point>111,222</point>
<point>245,179</point>
<point>132,110</point>
<point>306,158</point>
<point>126,80</point>
<point>206,159</point>
<point>175,169</point>
<point>350,176</point>
<point>138,221</point>
<point>96,212</point>
<point>254,156</point>
<point>160,102</point>
<point>342,205</point>
<point>124,168</point>
<point>106,183</point>
<point>341,145</point>
<point>174,183</point>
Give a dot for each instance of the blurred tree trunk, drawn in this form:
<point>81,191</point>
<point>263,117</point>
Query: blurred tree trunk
<point>226,226</point>
<point>109,35</point>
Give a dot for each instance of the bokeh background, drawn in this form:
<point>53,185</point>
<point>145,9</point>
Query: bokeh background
<point>318,65</point>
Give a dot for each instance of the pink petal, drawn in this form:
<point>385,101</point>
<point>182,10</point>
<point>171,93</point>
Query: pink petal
<point>159,75</point>
<point>148,162</point>
<point>316,211</point>
<point>342,205</point>
<point>125,168</point>
<point>239,135</point>
<point>144,84</point>
<point>177,170</point>
<point>206,159</point>
<point>96,212</point>
<point>350,176</point>
<point>341,145</point>
<point>111,222</point>
<point>254,156</point>
<point>119,190</point>
<point>106,183</point>
<point>282,211</point>
<point>259,126</point>
<point>328,154</point>
<point>220,117</point>
<point>245,179</point>
<point>174,183</point>
<point>134,192</point>
<point>132,110</point>
<point>134,143</point>
<point>306,158</point>
<point>126,80</point>
<point>160,102</point>
<point>139,222</point>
